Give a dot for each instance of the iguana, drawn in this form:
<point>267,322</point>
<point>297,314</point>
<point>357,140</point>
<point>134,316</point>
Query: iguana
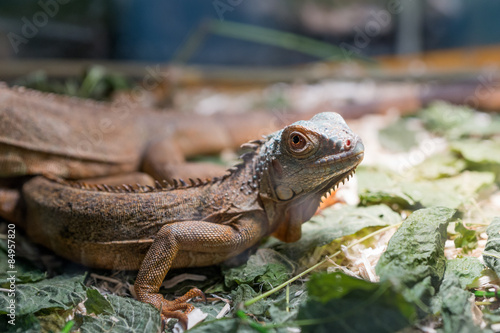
<point>276,188</point>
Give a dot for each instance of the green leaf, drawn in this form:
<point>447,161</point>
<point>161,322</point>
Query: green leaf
<point>452,192</point>
<point>446,164</point>
<point>416,251</point>
<point>399,136</point>
<point>380,187</point>
<point>466,269</point>
<point>281,311</point>
<point>53,320</point>
<point>491,316</point>
<point>226,325</point>
<point>97,303</point>
<point>456,122</point>
<point>478,151</point>
<point>444,118</point>
<point>337,301</point>
<point>61,292</point>
<point>25,270</point>
<point>266,268</point>
<point>455,306</point>
<point>335,223</point>
<point>491,254</point>
<point>480,155</point>
<point>243,293</point>
<point>326,287</point>
<point>130,316</point>
<point>467,239</point>
<point>25,324</point>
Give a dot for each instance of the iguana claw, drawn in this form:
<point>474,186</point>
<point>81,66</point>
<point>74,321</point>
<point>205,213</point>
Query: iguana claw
<point>169,309</point>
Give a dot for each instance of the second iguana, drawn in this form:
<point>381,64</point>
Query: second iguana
<point>278,186</point>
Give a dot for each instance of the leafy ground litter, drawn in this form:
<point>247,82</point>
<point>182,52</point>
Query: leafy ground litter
<point>416,249</point>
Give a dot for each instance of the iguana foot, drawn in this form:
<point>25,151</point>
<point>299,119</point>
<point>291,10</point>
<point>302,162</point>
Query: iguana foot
<point>169,309</point>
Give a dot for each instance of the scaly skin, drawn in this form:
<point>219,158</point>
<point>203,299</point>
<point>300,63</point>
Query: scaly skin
<point>278,186</point>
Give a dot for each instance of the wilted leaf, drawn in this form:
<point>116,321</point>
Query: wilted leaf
<point>491,254</point>
<point>337,301</point>
<point>416,251</point>
<point>97,303</point>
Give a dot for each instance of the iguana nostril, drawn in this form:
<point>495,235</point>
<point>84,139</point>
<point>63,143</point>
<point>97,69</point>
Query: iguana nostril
<point>347,144</point>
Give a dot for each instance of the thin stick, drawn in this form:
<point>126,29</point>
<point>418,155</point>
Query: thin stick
<point>310,269</point>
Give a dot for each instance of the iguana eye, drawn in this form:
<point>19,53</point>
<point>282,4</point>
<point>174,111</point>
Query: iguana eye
<point>297,142</point>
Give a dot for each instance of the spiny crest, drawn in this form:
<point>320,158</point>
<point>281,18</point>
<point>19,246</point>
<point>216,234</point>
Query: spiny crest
<point>139,188</point>
<point>254,146</point>
<point>164,185</point>
<point>251,185</point>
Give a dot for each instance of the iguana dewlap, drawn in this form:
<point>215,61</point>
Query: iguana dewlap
<point>278,186</point>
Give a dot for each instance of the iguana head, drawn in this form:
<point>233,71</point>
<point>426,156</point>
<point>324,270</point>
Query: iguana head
<point>304,162</point>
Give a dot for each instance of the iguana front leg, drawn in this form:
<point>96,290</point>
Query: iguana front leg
<point>191,243</point>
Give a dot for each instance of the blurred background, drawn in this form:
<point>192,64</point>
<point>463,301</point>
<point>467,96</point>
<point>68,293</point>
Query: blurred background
<point>244,43</point>
<point>159,30</point>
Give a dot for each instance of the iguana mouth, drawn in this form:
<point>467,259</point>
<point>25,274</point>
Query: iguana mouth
<point>352,157</point>
<point>335,182</point>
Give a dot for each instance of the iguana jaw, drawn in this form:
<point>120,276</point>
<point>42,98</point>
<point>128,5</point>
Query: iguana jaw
<point>328,190</point>
<point>341,166</point>
<point>351,160</point>
<point>302,207</point>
